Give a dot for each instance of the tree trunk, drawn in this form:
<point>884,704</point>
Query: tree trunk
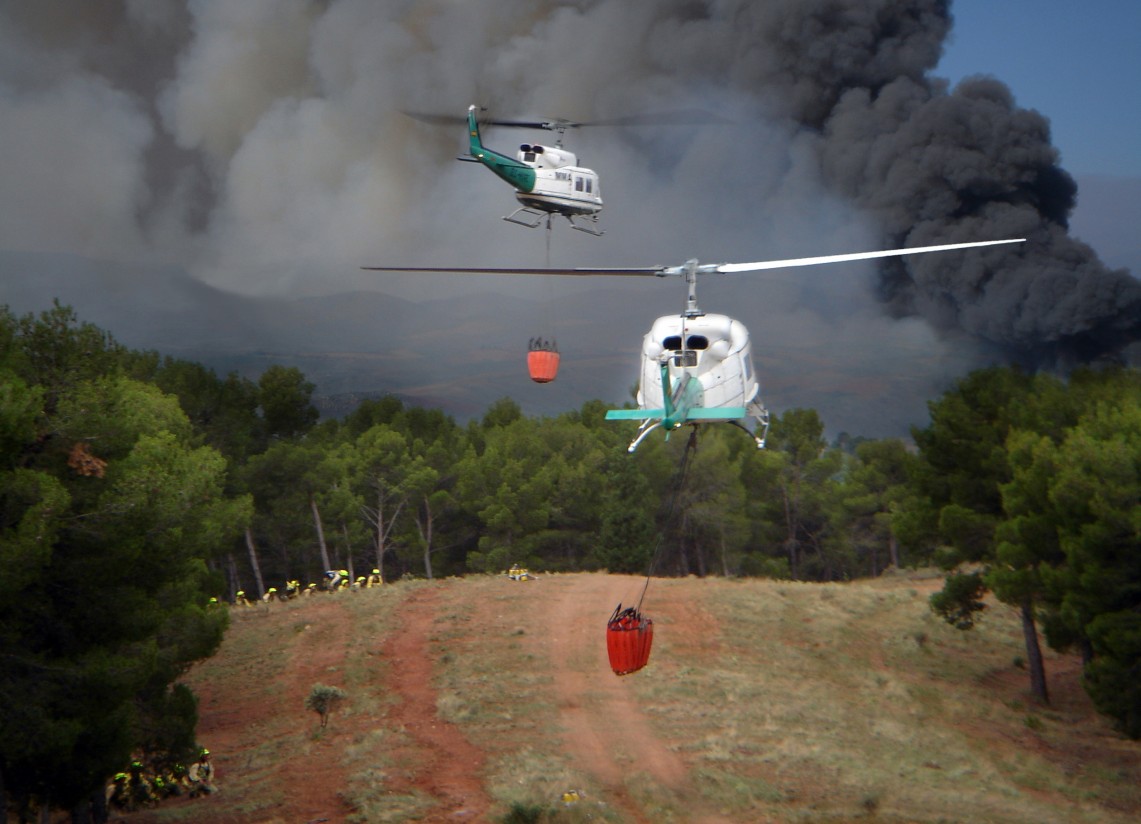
<point>232,576</point>
<point>99,807</point>
<point>320,532</point>
<point>424,524</point>
<point>254,562</point>
<point>1034,653</point>
<point>81,813</point>
<point>791,544</point>
<point>893,549</point>
<point>382,525</point>
<point>381,534</point>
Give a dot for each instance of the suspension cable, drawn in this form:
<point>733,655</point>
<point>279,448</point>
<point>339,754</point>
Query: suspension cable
<point>680,475</point>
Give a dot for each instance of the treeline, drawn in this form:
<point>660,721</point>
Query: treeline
<point>134,487</point>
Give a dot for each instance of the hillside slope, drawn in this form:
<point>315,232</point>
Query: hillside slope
<point>475,699</point>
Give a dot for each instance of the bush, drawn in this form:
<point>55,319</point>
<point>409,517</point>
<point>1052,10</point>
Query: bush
<point>323,699</point>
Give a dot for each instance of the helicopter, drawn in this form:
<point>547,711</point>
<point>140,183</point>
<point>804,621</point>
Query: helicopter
<point>547,179</point>
<point>697,368</point>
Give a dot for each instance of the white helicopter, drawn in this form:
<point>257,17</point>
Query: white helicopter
<point>547,179</point>
<point>696,367</point>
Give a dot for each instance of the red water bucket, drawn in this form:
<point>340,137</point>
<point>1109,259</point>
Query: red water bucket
<point>629,635</point>
<point>543,364</point>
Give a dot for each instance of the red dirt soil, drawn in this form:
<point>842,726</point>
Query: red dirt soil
<point>602,726</point>
<point>273,769</point>
<point>605,727</point>
<point>447,765</point>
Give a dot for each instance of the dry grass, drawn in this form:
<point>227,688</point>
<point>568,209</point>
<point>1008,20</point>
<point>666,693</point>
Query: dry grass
<point>816,702</point>
<point>787,702</point>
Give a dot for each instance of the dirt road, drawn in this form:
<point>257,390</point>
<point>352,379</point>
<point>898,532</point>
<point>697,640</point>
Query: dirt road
<point>605,727</point>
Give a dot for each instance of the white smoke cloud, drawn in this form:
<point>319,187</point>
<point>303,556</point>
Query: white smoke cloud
<point>73,175</point>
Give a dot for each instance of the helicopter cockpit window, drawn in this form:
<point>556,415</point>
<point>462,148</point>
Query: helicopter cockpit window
<point>686,357</point>
<point>697,342</point>
<point>578,184</point>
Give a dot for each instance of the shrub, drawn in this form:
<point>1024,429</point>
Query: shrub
<point>323,699</point>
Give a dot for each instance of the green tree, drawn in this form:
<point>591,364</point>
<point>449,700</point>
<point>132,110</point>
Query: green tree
<point>102,564</point>
<point>223,411</point>
<point>711,526</point>
<point>285,398</point>
<point>289,482</point>
<point>509,486</point>
<point>1094,488</point>
<point>627,535</point>
<point>965,465</point>
<point>805,484</point>
<point>55,351</point>
<point>875,487</point>
<point>379,469</point>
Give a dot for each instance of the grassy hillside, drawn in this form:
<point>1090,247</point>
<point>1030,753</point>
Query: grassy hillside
<point>485,699</point>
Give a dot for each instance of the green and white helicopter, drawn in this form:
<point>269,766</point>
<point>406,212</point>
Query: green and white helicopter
<point>548,180</point>
<point>696,368</point>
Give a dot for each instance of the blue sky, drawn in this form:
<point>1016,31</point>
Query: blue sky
<point>1079,64</point>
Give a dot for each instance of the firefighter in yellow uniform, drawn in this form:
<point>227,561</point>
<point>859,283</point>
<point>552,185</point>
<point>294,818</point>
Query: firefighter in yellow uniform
<point>374,579</point>
<point>201,776</point>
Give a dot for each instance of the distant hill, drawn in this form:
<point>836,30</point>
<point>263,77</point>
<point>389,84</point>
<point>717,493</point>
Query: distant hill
<point>460,354</point>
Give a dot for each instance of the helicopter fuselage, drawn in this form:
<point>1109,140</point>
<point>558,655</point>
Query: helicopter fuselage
<point>560,185</point>
<point>696,368</point>
<point>713,350</point>
<point>547,180</point>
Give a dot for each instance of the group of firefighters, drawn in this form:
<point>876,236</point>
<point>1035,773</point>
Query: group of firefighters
<point>334,580</point>
<point>141,787</point>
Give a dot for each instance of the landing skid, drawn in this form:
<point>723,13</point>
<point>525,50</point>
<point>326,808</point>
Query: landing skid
<point>761,416</point>
<point>759,434</point>
<point>645,429</point>
<point>589,230</point>
<point>533,218</point>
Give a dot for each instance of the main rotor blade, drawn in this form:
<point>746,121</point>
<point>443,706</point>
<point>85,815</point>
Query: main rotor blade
<point>813,261</point>
<point>692,266</point>
<point>454,119</point>
<point>490,270</point>
<point>436,119</point>
<point>679,117</point>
